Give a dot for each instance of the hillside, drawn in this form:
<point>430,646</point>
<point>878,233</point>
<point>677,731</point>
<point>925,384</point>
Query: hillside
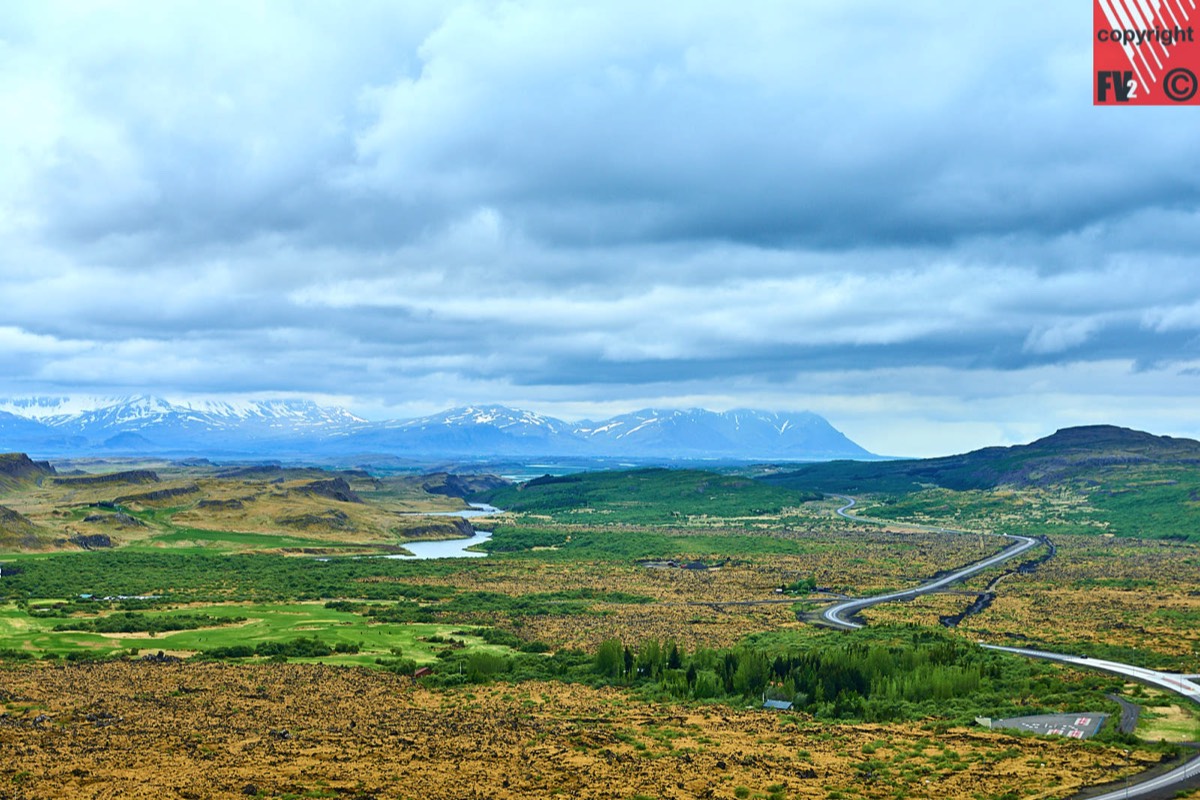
<point>17,532</point>
<point>194,505</point>
<point>1094,479</point>
<point>1069,455</point>
<point>18,470</point>
<point>645,496</point>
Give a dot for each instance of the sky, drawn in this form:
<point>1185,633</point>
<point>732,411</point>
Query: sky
<point>906,217</point>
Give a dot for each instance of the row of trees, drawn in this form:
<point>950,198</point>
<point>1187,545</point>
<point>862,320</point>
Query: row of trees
<point>878,677</point>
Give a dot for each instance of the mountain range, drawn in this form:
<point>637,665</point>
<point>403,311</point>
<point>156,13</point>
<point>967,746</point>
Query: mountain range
<point>300,428</point>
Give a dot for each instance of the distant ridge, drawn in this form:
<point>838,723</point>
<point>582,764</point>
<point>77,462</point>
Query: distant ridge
<point>152,425</point>
<point>1067,454</point>
<point>797,435</point>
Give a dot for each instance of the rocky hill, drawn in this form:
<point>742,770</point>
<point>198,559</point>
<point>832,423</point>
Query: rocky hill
<point>1070,454</point>
<point>18,469</point>
<point>17,532</point>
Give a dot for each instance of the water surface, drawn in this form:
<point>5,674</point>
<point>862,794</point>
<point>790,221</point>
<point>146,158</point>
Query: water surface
<point>446,548</point>
<point>453,548</point>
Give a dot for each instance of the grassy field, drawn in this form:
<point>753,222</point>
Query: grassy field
<point>1169,723</point>
<point>27,630</point>
<point>1144,501</point>
<point>722,541</point>
<point>659,586</point>
<point>650,497</point>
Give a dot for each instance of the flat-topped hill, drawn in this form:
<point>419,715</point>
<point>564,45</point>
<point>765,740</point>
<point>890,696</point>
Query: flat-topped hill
<point>134,476</point>
<point>1066,455</point>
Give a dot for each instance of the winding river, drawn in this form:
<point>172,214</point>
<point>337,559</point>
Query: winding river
<point>452,548</point>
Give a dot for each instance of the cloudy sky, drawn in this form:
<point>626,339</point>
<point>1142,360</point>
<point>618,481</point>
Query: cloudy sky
<point>907,217</point>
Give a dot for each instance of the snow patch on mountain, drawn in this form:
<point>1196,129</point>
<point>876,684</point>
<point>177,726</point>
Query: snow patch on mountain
<point>302,427</point>
<point>50,407</point>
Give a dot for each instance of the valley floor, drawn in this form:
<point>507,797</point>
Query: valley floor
<point>180,730</point>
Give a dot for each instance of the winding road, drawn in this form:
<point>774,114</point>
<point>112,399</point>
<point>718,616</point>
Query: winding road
<point>841,615</point>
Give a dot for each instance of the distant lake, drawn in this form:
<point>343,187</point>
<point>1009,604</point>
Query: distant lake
<point>452,548</point>
<point>476,510</point>
<point>446,548</point>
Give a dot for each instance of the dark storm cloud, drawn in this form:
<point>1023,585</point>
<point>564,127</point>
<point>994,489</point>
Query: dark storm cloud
<point>865,208</point>
<point>783,126</point>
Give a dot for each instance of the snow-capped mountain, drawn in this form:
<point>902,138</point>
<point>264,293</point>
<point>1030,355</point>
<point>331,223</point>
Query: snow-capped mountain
<point>48,408</point>
<point>511,420</point>
<point>669,434</point>
<point>701,433</point>
<point>474,430</point>
<point>153,424</point>
<point>146,424</point>
<point>146,414</point>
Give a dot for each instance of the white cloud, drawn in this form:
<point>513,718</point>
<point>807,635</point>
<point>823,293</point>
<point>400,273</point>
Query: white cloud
<point>1057,337</point>
<point>597,207</point>
<point>15,341</point>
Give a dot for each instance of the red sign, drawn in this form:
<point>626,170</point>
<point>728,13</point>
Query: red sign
<point>1145,53</point>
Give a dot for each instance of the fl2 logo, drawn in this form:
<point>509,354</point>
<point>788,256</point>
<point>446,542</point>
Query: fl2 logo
<point>1121,86</point>
<point>1121,83</point>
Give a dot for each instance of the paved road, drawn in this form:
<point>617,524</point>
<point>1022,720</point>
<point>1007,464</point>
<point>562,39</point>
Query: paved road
<point>1130,713</point>
<point>839,615</point>
<point>1183,685</point>
<point>1179,684</point>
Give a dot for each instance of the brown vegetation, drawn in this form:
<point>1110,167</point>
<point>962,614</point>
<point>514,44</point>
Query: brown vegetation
<point>149,730</point>
<point>350,507</point>
<point>1133,593</point>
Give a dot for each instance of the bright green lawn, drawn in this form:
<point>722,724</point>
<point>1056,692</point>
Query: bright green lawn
<point>264,622</point>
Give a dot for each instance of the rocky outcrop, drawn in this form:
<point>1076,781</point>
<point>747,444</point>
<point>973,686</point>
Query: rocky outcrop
<point>463,486</point>
<point>128,476</point>
<point>441,528</point>
<point>11,520</point>
<point>17,531</point>
<point>222,505</point>
<point>92,541</point>
<point>120,519</point>
<point>18,469</point>
<point>259,472</point>
<point>328,520</point>
<point>332,489</point>
<point>160,494</point>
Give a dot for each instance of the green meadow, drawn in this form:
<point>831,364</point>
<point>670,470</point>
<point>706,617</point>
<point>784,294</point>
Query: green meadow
<point>25,628</point>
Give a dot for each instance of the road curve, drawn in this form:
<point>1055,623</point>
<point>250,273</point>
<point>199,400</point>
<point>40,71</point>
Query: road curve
<point>839,615</point>
<point>1178,684</point>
